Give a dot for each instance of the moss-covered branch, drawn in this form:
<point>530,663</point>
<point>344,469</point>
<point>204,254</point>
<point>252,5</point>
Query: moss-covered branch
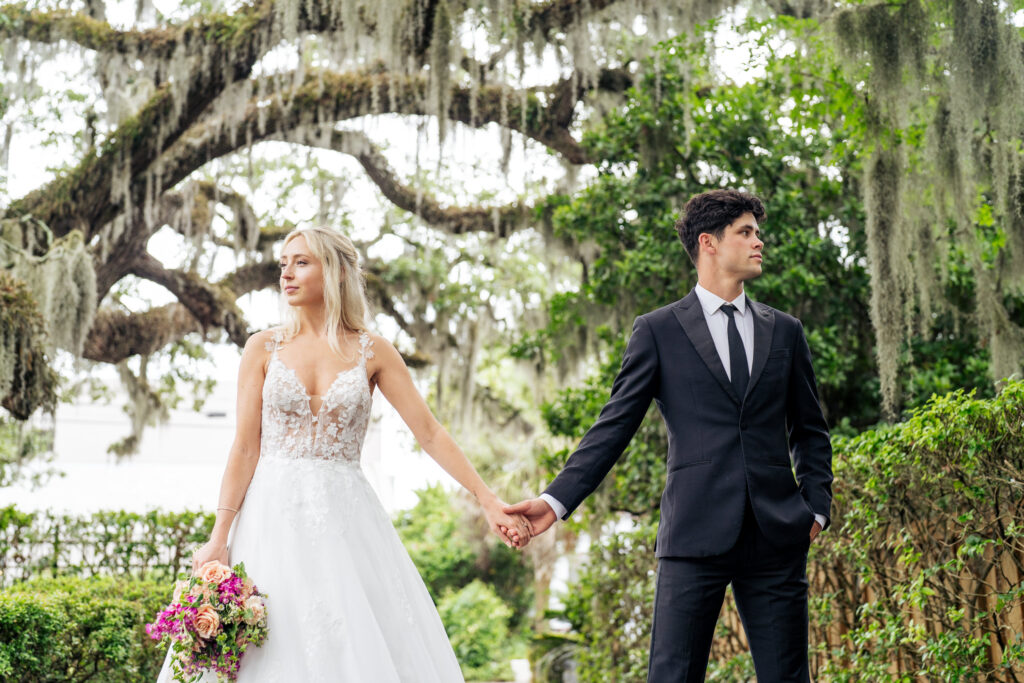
<point>327,98</point>
<point>559,15</point>
<point>500,220</point>
<point>210,304</point>
<point>202,306</point>
<point>83,198</point>
<point>173,42</point>
<point>118,335</point>
<point>150,45</point>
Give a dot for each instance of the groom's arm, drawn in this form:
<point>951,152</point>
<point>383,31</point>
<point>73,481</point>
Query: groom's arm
<point>604,442</point>
<point>809,440</point>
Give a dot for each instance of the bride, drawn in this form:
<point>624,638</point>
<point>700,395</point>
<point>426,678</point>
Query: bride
<point>345,602</point>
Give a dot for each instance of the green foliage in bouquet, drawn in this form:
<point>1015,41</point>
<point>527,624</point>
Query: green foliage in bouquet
<point>80,629</point>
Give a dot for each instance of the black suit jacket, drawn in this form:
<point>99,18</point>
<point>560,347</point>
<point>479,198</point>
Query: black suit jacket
<point>720,446</point>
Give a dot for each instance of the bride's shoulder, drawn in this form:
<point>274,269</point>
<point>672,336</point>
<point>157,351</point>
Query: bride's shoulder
<point>377,346</point>
<point>262,342</point>
<point>257,353</point>
<point>387,356</point>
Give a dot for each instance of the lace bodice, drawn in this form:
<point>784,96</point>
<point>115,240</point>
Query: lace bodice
<point>290,429</point>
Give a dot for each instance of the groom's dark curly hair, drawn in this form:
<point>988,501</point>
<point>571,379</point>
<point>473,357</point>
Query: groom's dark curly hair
<point>711,212</point>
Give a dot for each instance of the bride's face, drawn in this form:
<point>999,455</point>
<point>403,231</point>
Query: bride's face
<point>302,278</point>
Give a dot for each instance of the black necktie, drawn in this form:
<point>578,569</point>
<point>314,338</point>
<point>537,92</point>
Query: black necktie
<point>738,371</point>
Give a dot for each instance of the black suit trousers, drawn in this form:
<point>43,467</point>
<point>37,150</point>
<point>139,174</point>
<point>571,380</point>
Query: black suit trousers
<point>769,584</point>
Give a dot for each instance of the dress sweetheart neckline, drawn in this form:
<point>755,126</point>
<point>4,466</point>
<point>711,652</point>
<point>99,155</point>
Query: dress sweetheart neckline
<point>305,392</point>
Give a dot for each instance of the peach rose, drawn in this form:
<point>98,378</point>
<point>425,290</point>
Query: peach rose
<point>201,590</point>
<point>207,622</point>
<point>255,603</point>
<point>214,571</point>
<point>248,588</point>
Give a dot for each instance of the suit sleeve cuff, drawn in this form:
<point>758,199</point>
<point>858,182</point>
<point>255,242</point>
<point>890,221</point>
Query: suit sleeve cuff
<point>556,506</point>
<point>820,519</point>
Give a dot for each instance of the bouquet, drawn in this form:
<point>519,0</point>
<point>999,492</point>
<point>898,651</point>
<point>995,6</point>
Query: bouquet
<point>214,616</point>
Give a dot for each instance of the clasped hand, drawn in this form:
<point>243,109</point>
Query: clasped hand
<point>513,529</point>
<point>537,516</point>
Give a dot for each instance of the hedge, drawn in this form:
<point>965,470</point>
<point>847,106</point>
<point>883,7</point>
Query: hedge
<point>80,629</point>
<point>155,543</point>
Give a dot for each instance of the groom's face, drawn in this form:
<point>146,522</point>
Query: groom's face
<point>738,252</point>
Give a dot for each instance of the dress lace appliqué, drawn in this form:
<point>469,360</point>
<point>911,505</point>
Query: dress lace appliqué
<point>290,429</point>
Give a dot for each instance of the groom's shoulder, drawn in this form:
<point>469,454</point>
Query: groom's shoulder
<point>660,314</point>
<point>666,313</point>
<point>781,317</point>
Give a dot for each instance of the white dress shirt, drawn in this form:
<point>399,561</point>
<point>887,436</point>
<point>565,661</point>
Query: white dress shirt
<point>718,325</point>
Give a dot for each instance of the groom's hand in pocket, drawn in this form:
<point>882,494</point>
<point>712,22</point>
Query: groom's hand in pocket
<point>537,512</point>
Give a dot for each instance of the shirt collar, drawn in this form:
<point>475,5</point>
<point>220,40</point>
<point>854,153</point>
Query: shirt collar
<point>712,302</point>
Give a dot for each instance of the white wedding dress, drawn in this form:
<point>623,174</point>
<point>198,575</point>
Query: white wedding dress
<point>345,602</point>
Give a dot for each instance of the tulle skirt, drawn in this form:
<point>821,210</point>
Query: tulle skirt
<point>345,602</point>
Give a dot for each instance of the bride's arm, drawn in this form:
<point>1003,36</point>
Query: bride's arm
<point>245,451</point>
<point>392,376</point>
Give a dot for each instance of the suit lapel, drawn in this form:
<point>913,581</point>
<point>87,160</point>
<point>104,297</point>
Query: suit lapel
<point>764,325</point>
<point>691,316</point>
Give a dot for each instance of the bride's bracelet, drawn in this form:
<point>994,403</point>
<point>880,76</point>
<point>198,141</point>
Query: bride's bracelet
<point>223,507</point>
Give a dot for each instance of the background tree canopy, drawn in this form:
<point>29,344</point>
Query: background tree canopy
<point>511,170</point>
<point>885,137</point>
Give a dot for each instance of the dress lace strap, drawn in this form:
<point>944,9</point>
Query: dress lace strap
<point>272,346</point>
<point>365,352</point>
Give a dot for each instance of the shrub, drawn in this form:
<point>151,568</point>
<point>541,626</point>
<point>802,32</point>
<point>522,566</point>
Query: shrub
<point>78,629</point>
<point>476,620</point>
<point>922,573</point>
<point>612,604</point>
<point>433,534</point>
<point>452,546</point>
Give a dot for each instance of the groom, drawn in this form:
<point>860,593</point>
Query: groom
<point>749,457</point>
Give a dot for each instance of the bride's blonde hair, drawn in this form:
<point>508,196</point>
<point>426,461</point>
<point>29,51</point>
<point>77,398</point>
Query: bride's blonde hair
<point>344,287</point>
